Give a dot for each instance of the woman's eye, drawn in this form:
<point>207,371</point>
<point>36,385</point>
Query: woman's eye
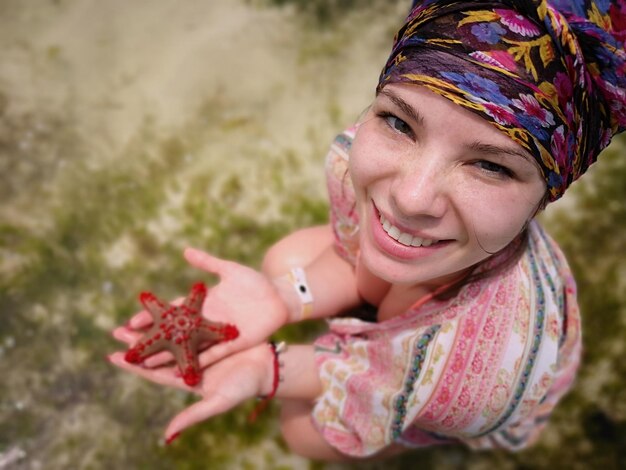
<point>491,167</point>
<point>397,124</point>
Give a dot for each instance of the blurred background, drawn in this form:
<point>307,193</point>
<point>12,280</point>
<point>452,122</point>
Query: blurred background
<point>129,130</point>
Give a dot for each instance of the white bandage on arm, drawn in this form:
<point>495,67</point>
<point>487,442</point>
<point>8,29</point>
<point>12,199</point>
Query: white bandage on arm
<point>297,278</point>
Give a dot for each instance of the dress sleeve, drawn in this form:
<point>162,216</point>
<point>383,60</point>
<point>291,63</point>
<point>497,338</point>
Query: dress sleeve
<point>343,215</point>
<point>373,382</point>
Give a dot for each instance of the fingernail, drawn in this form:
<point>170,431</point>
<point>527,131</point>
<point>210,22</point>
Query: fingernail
<point>171,439</point>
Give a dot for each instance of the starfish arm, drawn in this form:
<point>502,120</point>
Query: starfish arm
<point>217,332</point>
<point>187,360</point>
<point>150,343</point>
<point>196,297</point>
<point>153,305</point>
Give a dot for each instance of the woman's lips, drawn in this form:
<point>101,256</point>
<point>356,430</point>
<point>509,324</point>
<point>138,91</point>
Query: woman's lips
<point>399,244</point>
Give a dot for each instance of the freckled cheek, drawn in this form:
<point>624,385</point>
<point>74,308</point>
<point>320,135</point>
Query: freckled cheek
<point>370,161</point>
<point>364,170</point>
<point>496,223</point>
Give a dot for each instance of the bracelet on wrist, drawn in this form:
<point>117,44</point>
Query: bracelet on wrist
<point>277,349</point>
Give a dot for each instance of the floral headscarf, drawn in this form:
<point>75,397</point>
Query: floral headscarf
<point>551,74</point>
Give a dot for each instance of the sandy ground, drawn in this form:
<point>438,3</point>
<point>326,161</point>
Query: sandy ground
<point>113,63</point>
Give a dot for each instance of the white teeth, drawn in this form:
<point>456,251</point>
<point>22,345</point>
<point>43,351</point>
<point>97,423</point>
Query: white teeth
<point>394,232</point>
<point>404,238</point>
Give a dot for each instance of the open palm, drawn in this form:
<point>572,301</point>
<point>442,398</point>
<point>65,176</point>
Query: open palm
<point>244,297</point>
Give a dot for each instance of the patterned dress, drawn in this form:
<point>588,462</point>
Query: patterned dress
<point>484,368</point>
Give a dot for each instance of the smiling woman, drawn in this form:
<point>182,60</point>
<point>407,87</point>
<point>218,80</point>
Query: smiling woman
<point>417,167</point>
<point>453,315</point>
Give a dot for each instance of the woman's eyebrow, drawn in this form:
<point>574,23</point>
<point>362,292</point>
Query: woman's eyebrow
<point>495,150</point>
<point>404,106</point>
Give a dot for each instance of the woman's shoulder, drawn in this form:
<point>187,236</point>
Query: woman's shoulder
<point>339,155</point>
<point>343,214</point>
<point>543,245</point>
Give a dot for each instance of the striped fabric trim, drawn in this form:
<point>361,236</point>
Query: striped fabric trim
<point>538,331</point>
<point>421,348</point>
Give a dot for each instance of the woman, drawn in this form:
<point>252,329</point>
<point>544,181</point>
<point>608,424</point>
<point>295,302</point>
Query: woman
<point>458,318</point>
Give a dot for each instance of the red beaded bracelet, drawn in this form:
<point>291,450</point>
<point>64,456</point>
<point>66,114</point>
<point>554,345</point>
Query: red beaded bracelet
<point>276,350</point>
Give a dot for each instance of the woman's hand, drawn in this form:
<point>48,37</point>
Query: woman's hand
<point>244,297</point>
<point>224,385</point>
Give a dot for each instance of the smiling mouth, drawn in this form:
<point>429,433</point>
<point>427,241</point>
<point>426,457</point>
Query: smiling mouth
<point>403,238</point>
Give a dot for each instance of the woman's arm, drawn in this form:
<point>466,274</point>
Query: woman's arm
<point>303,438</point>
<point>332,282</point>
<point>298,390</point>
<point>259,304</point>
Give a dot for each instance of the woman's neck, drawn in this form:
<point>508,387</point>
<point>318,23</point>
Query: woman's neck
<point>395,299</point>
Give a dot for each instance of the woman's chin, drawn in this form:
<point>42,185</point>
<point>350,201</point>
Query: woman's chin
<point>421,272</point>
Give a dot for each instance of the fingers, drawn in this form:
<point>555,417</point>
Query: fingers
<point>163,376</point>
<point>225,385</point>
<point>158,359</point>
<point>217,352</point>
<point>205,358</point>
<point>126,335</point>
<point>196,413</point>
<point>202,260</point>
<point>140,320</point>
<point>167,376</point>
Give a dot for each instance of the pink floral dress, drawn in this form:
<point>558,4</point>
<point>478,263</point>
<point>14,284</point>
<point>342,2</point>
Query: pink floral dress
<point>485,368</point>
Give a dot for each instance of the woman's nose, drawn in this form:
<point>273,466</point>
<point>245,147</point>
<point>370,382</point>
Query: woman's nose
<point>421,189</point>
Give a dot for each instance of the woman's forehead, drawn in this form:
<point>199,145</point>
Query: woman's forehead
<point>424,106</point>
<point>474,132</point>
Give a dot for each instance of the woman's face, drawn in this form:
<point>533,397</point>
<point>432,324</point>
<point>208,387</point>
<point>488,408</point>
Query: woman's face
<point>438,188</point>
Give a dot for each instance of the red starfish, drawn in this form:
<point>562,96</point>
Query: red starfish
<point>182,330</point>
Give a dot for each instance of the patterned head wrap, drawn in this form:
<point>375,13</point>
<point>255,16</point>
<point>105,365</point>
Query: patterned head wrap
<point>551,74</point>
